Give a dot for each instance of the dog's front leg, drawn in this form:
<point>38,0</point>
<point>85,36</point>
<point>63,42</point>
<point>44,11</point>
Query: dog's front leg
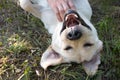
<point>91,66</point>
<point>50,57</point>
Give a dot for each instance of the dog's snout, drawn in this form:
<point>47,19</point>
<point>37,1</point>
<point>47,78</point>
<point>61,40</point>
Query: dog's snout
<point>74,34</point>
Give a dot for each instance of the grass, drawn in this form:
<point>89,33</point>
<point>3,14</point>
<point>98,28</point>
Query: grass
<point>23,39</point>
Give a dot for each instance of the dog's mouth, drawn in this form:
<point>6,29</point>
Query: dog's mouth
<point>71,20</point>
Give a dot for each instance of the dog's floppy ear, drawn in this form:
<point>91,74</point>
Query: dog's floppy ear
<point>91,66</point>
<point>50,57</point>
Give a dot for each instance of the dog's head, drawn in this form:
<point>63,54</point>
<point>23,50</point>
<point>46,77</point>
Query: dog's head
<point>78,38</point>
<point>76,41</point>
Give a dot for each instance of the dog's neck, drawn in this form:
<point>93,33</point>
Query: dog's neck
<point>42,10</point>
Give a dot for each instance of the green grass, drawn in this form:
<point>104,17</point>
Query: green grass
<point>23,39</point>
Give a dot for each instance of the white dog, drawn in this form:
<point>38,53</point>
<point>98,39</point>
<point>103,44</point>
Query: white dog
<point>73,40</point>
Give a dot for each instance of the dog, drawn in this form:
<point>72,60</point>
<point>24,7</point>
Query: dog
<point>73,40</point>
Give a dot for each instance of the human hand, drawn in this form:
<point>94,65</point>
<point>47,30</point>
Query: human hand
<point>60,6</point>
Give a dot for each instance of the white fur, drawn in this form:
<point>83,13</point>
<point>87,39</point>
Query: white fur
<point>42,10</point>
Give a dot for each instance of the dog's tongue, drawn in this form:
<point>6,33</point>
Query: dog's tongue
<point>71,20</point>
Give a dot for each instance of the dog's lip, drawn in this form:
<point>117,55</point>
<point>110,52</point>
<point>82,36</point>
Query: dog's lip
<point>72,20</point>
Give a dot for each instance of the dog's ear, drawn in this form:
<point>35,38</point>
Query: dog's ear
<point>91,66</point>
<point>50,57</point>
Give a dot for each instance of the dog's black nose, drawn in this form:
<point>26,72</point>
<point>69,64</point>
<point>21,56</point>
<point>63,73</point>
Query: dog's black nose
<point>74,34</point>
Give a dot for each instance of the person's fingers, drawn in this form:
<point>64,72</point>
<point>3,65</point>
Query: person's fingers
<point>61,10</point>
<point>58,14</point>
<point>60,7</point>
<point>55,9</point>
<point>71,5</point>
<point>65,5</point>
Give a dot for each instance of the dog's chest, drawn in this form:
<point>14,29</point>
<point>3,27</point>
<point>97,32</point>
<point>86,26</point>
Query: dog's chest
<point>50,20</point>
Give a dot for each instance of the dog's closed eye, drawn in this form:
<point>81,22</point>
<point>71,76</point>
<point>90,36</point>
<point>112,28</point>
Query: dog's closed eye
<point>88,44</point>
<point>68,48</point>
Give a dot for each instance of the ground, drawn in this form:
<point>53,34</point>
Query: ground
<point>23,39</point>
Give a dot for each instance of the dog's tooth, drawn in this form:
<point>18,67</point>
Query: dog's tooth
<point>75,15</point>
<point>66,18</point>
<point>69,15</point>
<point>79,23</point>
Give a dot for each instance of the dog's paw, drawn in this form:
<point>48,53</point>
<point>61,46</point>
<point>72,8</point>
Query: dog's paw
<point>91,66</point>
